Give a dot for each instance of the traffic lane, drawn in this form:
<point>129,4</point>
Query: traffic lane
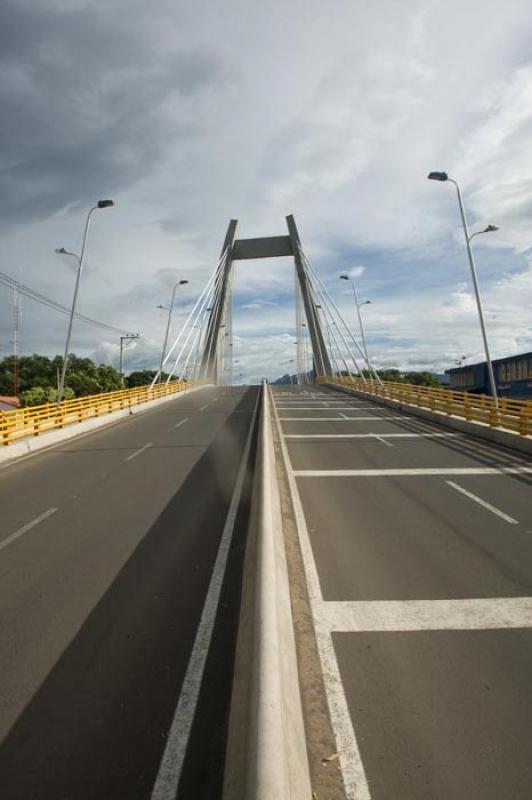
<point>296,412</point>
<point>56,573</point>
<point>408,538</point>
<point>441,714</point>
<point>383,453</point>
<point>45,479</point>
<point>333,424</point>
<point>109,698</point>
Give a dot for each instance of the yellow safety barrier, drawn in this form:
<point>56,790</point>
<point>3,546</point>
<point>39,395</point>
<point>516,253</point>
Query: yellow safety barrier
<point>513,415</point>
<point>34,420</point>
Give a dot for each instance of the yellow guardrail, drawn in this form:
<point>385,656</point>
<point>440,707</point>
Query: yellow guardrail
<point>513,415</point>
<point>34,420</point>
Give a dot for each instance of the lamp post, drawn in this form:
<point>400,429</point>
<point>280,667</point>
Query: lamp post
<point>442,177</point>
<point>79,259</point>
<point>123,339</point>
<point>179,283</point>
<point>357,304</point>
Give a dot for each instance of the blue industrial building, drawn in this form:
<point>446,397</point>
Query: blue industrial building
<point>513,377</point>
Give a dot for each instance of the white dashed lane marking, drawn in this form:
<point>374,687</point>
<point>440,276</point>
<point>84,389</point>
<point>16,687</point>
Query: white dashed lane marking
<point>137,452</point>
<point>27,527</point>
<point>483,503</point>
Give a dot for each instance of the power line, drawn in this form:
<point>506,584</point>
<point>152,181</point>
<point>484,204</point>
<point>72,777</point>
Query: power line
<point>38,297</point>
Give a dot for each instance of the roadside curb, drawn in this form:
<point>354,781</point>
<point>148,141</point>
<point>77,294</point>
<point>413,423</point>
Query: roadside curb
<point>496,435</point>
<point>266,752</point>
<point>49,439</point>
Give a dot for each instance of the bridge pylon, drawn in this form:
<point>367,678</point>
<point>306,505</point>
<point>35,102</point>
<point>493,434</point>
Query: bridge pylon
<point>247,249</point>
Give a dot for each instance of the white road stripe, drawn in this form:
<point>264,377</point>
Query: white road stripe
<point>181,423</point>
<point>483,503</point>
<point>353,774</point>
<point>313,408</point>
<point>342,418</point>
<point>378,473</point>
<point>368,435</point>
<point>27,527</point>
<point>204,407</point>
<point>382,440</point>
<point>167,781</point>
<point>137,452</point>
<point>426,615</point>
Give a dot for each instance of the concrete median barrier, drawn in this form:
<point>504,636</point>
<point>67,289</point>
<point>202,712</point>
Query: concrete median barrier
<point>266,750</point>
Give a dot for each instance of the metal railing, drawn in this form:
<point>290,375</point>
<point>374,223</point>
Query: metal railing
<point>513,415</point>
<point>34,420</point>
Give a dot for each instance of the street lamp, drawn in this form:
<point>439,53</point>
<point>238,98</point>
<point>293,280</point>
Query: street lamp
<point>163,352</point>
<point>442,176</point>
<point>61,250</point>
<point>357,304</point>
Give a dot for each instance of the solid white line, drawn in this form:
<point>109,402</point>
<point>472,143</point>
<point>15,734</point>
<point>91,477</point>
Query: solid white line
<point>342,418</point>
<point>181,423</point>
<point>378,473</point>
<point>426,615</point>
<point>483,503</point>
<point>353,774</point>
<point>137,452</point>
<point>27,527</point>
<point>167,781</point>
<point>368,435</point>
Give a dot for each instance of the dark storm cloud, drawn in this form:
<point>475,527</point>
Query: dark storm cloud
<point>86,98</point>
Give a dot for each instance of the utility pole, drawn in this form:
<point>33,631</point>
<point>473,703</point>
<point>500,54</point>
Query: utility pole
<point>123,339</point>
<point>16,318</point>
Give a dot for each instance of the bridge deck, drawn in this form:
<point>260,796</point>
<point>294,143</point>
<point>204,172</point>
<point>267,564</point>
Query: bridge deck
<point>417,546</point>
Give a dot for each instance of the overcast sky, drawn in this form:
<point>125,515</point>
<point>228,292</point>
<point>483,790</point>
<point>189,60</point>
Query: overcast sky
<point>190,114</point>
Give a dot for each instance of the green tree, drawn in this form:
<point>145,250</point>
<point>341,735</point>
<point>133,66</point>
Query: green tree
<point>39,395</point>
<point>142,377</point>
<point>422,379</point>
<point>108,378</point>
<point>82,383</point>
<point>391,375</point>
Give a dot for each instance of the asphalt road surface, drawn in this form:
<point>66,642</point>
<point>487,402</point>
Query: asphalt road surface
<point>120,562</point>
<point>417,543</point>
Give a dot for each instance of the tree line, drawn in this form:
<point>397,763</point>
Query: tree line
<point>36,378</point>
<point>394,375</point>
